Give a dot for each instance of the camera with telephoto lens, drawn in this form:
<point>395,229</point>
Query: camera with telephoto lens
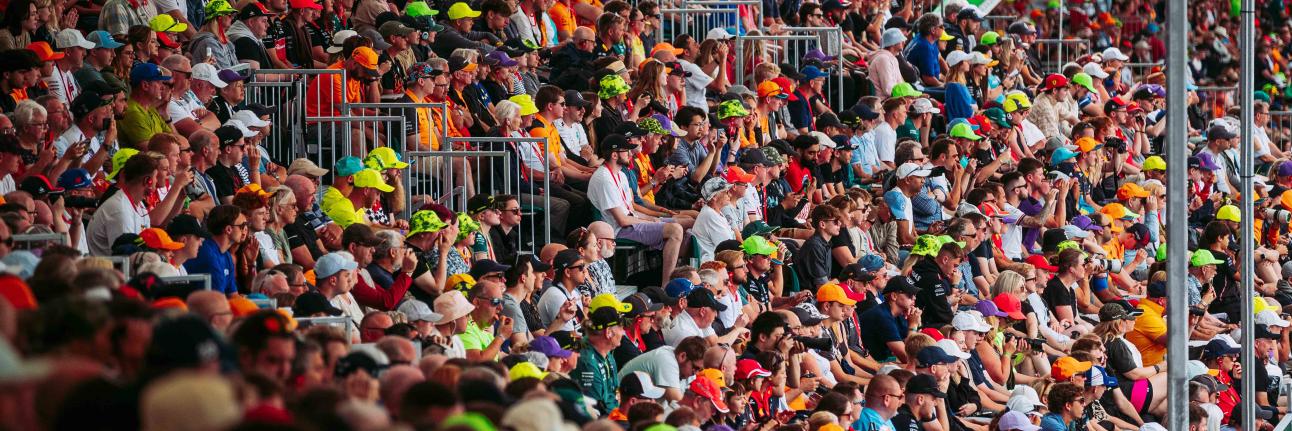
<point>815,343</point>
<point>1280,216</point>
<point>1111,265</point>
<point>80,202</point>
<point>1115,143</point>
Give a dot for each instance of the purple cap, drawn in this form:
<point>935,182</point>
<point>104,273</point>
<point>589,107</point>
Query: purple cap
<point>1085,223</point>
<point>1205,162</point>
<point>548,346</point>
<point>499,59</point>
<point>665,123</point>
<point>988,309</point>
<point>1156,90</point>
<point>230,76</point>
<point>1285,170</point>
<point>818,55</point>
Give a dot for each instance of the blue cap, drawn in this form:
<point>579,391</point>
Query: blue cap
<point>954,122</point>
<point>145,72</point>
<point>1062,154</point>
<point>348,166</point>
<point>1099,376</point>
<point>871,262</point>
<point>332,263</point>
<point>1217,348</point>
<point>103,39</point>
<point>679,287</point>
<point>75,178</point>
<point>812,72</point>
<point>934,355</point>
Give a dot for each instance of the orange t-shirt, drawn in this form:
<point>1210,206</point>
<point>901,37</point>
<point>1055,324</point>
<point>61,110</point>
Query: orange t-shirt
<point>563,16</point>
<point>323,101</point>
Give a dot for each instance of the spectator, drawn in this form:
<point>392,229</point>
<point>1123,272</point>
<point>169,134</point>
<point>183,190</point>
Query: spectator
<point>227,226</point>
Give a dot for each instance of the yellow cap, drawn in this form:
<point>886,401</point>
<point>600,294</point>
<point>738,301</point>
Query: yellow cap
<point>527,106</point>
<point>461,10</point>
<point>609,300</point>
<point>372,179</point>
<point>119,159</point>
<point>526,369</point>
<point>1229,213</point>
<point>1154,163</point>
<point>715,375</point>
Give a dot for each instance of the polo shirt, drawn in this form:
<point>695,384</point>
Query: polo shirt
<point>1148,327</point>
<point>881,328</point>
<point>117,216</point>
<point>141,123</point>
<point>684,326</point>
<point>597,376</point>
<point>924,56</point>
<point>218,264</point>
<point>475,337</point>
<point>340,209</point>
<point>325,101</point>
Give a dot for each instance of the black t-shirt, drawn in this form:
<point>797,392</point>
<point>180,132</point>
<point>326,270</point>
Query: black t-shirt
<point>424,261</point>
<point>1267,383</point>
<point>226,178</point>
<point>1120,358</point>
<point>1057,294</point>
<point>905,420</point>
<point>840,240</point>
<point>299,233</point>
<point>247,48</point>
<point>934,289</point>
<point>394,78</point>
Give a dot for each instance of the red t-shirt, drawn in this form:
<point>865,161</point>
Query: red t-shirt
<point>796,174</point>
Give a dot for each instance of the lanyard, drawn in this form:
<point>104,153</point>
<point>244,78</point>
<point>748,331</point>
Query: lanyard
<point>614,178</point>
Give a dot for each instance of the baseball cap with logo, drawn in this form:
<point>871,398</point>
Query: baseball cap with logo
<point>708,389</point>
<point>71,38</point>
<point>911,169</point>
<point>831,292</point>
<point>1066,367</point>
<point>372,179</point>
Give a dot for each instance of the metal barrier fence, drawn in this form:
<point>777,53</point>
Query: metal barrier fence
<point>37,241</point>
<point>356,135</point>
<point>695,21</point>
<point>1279,129</point>
<point>1140,70</point>
<point>793,47</point>
<point>286,91</point>
<point>1054,53</point>
<point>1216,100</point>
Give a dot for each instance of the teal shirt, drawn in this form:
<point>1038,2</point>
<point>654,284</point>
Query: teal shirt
<point>596,375</point>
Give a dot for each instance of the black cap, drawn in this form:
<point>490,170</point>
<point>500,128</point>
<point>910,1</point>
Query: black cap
<point>1194,162</point>
<point>603,318</point>
<point>1118,311</point>
<point>87,102</point>
<point>630,130</point>
<point>38,186</point>
<point>261,109</point>
<point>252,10</point>
<point>534,262</point>
<point>641,304</point>
<point>485,266</point>
<point>933,355</point>
<point>1051,238</point>
<point>658,295</point>
<point>480,202</point>
<point>568,340</point>
<point>565,259</point>
<point>361,234</point>
<point>900,284</point>
<point>575,98</point>
<point>184,341</point>
<point>755,157</point>
<point>1141,234</point>
<point>832,5</point>
<point>631,386</point>
<point>842,143</point>
<point>702,298</point>
<point>864,111</point>
<point>185,224</point>
<point>355,361</point>
<point>1020,27</point>
<point>311,303</point>
<point>969,13</point>
<point>1220,131</point>
<point>1263,332</point>
<point>731,244</point>
<point>855,271</point>
<point>616,142</point>
<point>1157,289</point>
<point>924,384</point>
<point>897,22</point>
<point>807,314</point>
<point>828,119</point>
<point>227,135</point>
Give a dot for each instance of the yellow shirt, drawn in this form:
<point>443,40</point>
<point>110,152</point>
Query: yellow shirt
<point>340,209</point>
<point>141,123</point>
<point>1148,328</point>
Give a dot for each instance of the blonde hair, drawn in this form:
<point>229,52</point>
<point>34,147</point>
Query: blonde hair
<point>1008,282</point>
<point>278,198</point>
<point>915,342</point>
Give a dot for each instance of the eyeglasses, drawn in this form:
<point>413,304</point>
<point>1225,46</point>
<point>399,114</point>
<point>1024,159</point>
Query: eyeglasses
<point>243,225</point>
<point>496,302</point>
<point>186,150</point>
<point>897,395</point>
<point>510,210</point>
<point>575,267</point>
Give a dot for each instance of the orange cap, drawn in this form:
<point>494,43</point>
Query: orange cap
<point>158,239</point>
<point>665,46</point>
<point>1131,190</point>
<point>1066,367</point>
<point>736,175</point>
<point>242,306</point>
<point>44,51</point>
<point>770,89</point>
<point>365,56</point>
<point>170,302</point>
<point>831,292</point>
<point>1087,144</point>
<point>16,291</point>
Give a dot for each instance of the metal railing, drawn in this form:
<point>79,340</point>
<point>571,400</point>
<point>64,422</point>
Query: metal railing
<point>38,241</point>
<point>1054,53</point>
<point>695,21</point>
<point>1279,129</point>
<point>346,323</point>
<point>286,91</point>
<point>1217,100</point>
<point>1140,70</point>
<point>794,45</point>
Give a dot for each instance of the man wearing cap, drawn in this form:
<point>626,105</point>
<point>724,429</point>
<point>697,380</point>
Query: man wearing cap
<point>1202,269</point>
<point>87,136</point>
<point>334,277</point>
<point>704,397</point>
<point>227,226</point>
<point>1267,373</point>
<point>635,387</point>
<point>596,370</point>
<point>1221,143</point>
<point>807,102</point>
<point>888,323</point>
<point>224,173</point>
<point>702,309</point>
<point>611,194</point>
<point>61,82</point>
<point>325,93</point>
<point>920,405</point>
<point>150,90</point>
<point>188,112</point>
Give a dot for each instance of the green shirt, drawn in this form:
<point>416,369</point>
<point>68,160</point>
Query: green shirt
<point>475,338</point>
<point>596,375</point>
<point>140,123</point>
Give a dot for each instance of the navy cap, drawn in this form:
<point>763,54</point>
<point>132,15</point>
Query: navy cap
<point>1218,348</point>
<point>146,72</point>
<point>864,112</point>
<point>485,266</point>
<point>185,224</point>
<point>934,355</point>
<point>703,298</point>
<point>900,284</point>
<point>75,178</point>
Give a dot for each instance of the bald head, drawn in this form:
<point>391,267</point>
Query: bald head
<point>400,350</point>
<point>549,252</point>
<point>395,383</point>
<point>212,306</point>
<point>584,33</point>
<point>601,229</point>
<point>430,363</point>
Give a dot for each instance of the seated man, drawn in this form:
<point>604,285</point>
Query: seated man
<point>610,193</point>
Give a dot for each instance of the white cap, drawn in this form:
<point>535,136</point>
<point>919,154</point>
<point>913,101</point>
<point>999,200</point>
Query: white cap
<point>1095,71</point>
<point>970,321</point>
<point>418,311</point>
<point>1270,318</point>
<point>823,140</point>
<point>338,41</point>
<point>978,57</point>
<point>957,57</point>
<point>1024,399</point>
<point>1016,420</point>
<point>246,133</point>
<point>249,118</point>
<point>1075,232</point>
<point>910,169</point>
<point>1228,340</point>
<point>71,37</point>
<point>1153,426</point>
<point>649,390</point>
<point>924,106</point>
<point>718,33</point>
<point>948,345</point>
<point>892,36</point>
<point>1112,53</point>
<point>206,72</point>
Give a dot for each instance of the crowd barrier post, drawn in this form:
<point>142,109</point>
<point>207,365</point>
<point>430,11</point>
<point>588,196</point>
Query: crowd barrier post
<point>326,152</point>
<point>1217,100</point>
<point>285,91</point>
<point>337,321</point>
<point>736,22</point>
<point>793,46</point>
<point>37,241</point>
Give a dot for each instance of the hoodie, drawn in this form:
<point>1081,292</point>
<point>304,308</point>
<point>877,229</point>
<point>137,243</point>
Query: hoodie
<point>247,45</point>
<point>206,44</point>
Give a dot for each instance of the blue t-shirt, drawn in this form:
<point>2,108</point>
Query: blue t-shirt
<point>869,420</point>
<point>219,265</point>
<point>924,56</point>
<point>882,327</point>
<point>1053,422</point>
<point>959,103</point>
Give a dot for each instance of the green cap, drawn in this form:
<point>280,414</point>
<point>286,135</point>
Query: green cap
<point>119,159</point>
<point>651,125</point>
<point>1069,244</point>
<point>947,239</point>
<point>469,420</point>
<point>425,221</point>
<point>756,227</point>
<point>348,166</point>
<point>964,131</point>
<point>773,155</point>
<point>1083,79</point>
<point>419,9</point>
<point>1203,258</point>
<point>466,226</point>
<point>997,115</point>
<point>216,8</point>
<point>989,38</point>
<point>926,245</point>
<point>612,85</point>
<point>731,109</point>
<point>757,245</point>
<point>905,89</point>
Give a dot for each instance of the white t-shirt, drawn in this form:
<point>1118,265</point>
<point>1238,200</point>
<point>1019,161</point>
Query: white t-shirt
<point>885,141</point>
<point>267,249</point>
<point>660,364</point>
<point>684,326</point>
<point>63,85</point>
<point>117,216</point>
<point>550,303</point>
<point>1012,241</point>
<point>351,309</point>
<point>7,185</point>
<point>609,190</point>
<point>573,137</point>
<point>164,6</point>
<point>710,229</point>
<point>752,203</point>
<point>1031,133</point>
<point>74,136</point>
<point>696,85</point>
<point>181,109</point>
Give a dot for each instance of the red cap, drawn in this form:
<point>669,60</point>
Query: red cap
<point>852,294</point>
<point>736,175</point>
<point>748,368</point>
<point>305,4</point>
<point>705,387</point>
<point>16,291</point>
<point>787,86</point>
<point>166,40</point>
<point>933,332</point>
<point>983,123</point>
<point>1054,81</point>
<point>1010,305</point>
<point>44,51</point>
<point>1040,263</point>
